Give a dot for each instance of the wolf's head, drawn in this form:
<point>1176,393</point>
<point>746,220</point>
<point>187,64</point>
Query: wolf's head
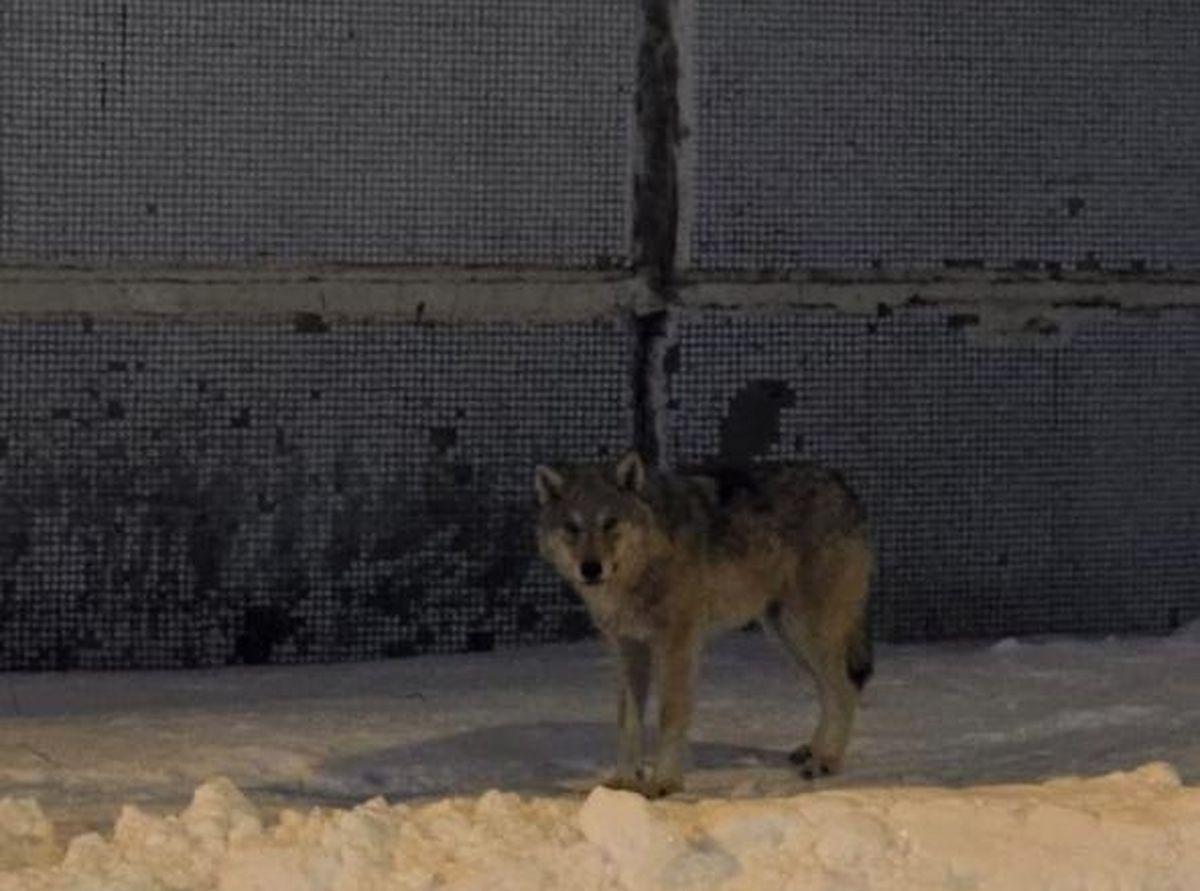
<point>594,525</point>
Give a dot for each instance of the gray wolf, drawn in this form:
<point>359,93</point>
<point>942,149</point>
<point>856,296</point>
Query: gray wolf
<point>665,561</point>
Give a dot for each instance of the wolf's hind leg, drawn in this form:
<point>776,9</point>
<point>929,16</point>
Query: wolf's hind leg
<point>823,627</point>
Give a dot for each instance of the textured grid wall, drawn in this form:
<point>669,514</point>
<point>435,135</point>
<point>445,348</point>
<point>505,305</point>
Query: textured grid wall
<point>925,131</point>
<point>187,494</point>
<point>427,131</point>
<point>1018,486</point>
<point>191,494</point>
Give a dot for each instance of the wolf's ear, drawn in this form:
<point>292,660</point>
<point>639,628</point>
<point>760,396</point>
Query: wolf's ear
<point>548,483</point>
<point>631,473</point>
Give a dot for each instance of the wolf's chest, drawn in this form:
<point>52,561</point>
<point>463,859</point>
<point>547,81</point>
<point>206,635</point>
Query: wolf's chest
<point>619,613</point>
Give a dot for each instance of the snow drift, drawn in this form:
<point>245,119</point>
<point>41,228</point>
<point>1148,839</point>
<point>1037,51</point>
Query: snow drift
<point>1139,829</point>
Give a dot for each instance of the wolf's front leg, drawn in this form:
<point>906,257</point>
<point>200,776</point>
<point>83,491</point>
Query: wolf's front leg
<point>634,658</point>
<point>678,657</point>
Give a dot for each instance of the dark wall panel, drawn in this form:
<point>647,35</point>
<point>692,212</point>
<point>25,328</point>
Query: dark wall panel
<point>356,131</point>
<point>177,494</point>
<point>1003,132</point>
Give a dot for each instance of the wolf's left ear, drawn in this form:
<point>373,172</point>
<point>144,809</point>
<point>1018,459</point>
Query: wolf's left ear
<point>548,483</point>
<point>631,473</point>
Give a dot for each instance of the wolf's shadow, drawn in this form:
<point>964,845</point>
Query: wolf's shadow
<point>534,757</point>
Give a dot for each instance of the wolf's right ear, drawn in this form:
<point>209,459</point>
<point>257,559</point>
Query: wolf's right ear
<point>631,473</point>
<point>548,483</point>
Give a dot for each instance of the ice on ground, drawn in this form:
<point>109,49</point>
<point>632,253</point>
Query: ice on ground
<point>1127,830</point>
<point>1007,645</point>
<point>957,768</point>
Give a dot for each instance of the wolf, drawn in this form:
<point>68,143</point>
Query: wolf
<point>664,561</point>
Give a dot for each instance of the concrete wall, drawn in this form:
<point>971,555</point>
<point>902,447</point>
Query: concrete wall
<point>337,465</point>
<point>363,131</point>
<point>951,247</point>
<point>891,134</point>
<point>1024,478</point>
<point>296,294</point>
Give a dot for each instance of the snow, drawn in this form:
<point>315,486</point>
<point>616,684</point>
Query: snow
<point>1032,764</point>
<point>1132,830</point>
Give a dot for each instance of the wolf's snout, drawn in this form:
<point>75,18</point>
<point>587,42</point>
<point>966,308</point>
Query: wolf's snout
<point>591,570</point>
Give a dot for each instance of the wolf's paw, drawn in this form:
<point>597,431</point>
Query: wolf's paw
<point>624,782</point>
<point>812,766</point>
<point>661,787</point>
<point>650,787</point>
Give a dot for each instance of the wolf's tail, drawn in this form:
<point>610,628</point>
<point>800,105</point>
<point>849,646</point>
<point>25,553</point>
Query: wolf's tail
<point>860,654</point>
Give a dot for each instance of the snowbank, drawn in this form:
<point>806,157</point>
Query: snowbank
<point>26,836</point>
<point>1127,830</point>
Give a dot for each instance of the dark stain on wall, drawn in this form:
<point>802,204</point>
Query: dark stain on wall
<point>310,323</point>
<point>672,358</point>
<point>223,515</point>
<point>962,319</point>
<point>15,532</point>
<point>263,627</point>
<point>751,425</point>
<point>212,512</point>
<point>443,438</point>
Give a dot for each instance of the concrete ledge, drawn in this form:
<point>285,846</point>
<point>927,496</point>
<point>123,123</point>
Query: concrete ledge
<point>1004,300</point>
<point>996,303</point>
<point>434,294</point>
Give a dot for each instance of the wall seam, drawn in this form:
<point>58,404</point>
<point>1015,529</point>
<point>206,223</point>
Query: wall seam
<point>656,229</point>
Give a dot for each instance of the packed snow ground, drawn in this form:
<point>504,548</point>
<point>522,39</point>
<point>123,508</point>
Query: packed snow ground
<point>918,806</point>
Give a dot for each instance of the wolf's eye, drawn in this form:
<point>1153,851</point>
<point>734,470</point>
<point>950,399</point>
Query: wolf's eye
<point>572,528</point>
<point>610,524</point>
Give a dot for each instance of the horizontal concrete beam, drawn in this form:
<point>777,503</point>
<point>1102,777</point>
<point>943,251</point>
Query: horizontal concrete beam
<point>1003,304</point>
<point>421,294</point>
<point>449,294</point>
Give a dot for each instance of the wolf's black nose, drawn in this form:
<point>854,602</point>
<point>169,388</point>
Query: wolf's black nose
<point>590,570</point>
